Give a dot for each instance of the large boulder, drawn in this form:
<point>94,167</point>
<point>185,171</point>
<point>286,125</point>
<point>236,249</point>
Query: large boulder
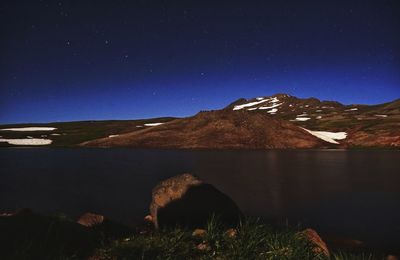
<point>187,201</point>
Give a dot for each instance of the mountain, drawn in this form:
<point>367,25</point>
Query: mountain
<point>278,121</point>
<point>222,129</point>
<point>365,126</point>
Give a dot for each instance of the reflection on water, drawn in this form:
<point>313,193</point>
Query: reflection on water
<point>341,192</point>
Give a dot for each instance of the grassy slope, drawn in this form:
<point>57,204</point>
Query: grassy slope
<point>73,133</point>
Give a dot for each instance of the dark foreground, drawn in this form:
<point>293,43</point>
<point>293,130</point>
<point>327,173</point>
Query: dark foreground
<point>342,194</point>
<point>27,235</point>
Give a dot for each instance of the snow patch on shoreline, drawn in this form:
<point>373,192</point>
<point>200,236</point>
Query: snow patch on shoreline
<point>111,136</point>
<point>34,128</point>
<point>27,141</point>
<point>329,137</point>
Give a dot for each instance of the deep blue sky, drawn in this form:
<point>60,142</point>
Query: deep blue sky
<point>75,60</point>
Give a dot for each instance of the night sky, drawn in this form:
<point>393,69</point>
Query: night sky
<point>78,60</point>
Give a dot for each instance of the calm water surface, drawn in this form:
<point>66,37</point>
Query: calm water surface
<point>345,193</point>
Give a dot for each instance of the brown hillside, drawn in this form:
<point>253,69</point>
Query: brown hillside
<point>222,129</point>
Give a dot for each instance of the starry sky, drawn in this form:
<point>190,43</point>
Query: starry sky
<point>85,60</point>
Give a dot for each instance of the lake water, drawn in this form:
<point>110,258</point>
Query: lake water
<point>343,193</point>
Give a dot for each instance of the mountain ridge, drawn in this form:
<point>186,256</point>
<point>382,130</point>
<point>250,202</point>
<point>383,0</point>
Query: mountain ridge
<point>280,121</point>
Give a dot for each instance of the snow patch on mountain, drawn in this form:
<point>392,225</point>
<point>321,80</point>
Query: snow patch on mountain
<point>272,101</point>
<point>26,129</point>
<point>153,124</point>
<point>301,119</point>
<point>238,107</point>
<point>329,137</point>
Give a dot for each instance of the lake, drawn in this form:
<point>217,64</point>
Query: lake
<point>337,192</point>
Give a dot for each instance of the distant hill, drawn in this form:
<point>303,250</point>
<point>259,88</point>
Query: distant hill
<point>279,121</point>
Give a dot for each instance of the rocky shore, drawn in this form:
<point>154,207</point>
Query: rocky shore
<point>188,218</point>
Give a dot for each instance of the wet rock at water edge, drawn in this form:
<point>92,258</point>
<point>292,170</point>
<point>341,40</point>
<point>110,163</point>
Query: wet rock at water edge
<point>187,201</point>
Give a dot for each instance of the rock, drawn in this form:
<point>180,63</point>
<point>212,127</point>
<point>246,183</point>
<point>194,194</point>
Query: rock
<point>25,234</point>
<point>106,227</point>
<point>203,246</point>
<point>199,232</point>
<point>231,233</point>
<point>20,212</point>
<point>320,245</point>
<point>185,200</point>
<point>91,220</point>
<point>148,219</point>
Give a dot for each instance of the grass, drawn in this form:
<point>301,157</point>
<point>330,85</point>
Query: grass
<point>249,240</point>
<point>252,241</point>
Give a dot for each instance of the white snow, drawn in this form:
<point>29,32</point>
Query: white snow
<point>260,98</point>
<point>301,119</point>
<point>253,108</point>
<point>27,141</point>
<point>153,124</point>
<point>273,100</point>
<point>269,107</point>
<point>272,111</point>
<point>329,137</point>
<point>319,117</point>
<point>55,134</point>
<point>381,115</point>
<point>139,126</point>
<point>23,129</point>
<point>352,109</point>
<point>249,104</point>
<point>111,136</point>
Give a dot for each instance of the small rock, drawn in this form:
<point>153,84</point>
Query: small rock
<point>231,233</point>
<point>199,232</point>
<point>91,220</point>
<point>148,219</point>
<point>20,212</point>
<point>203,246</point>
<point>103,225</point>
<point>313,237</point>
